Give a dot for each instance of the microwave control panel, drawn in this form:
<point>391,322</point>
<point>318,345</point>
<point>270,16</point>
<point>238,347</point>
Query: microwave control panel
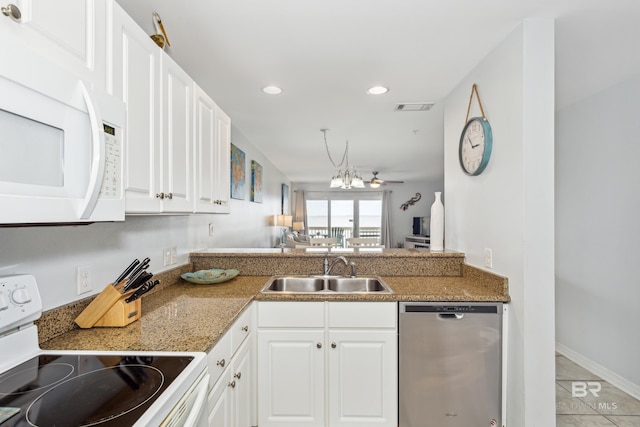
<point>111,185</point>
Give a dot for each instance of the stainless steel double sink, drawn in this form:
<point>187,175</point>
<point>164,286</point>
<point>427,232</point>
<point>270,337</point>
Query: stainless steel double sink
<point>326,284</point>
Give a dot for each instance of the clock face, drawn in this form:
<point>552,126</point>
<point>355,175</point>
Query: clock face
<point>475,146</point>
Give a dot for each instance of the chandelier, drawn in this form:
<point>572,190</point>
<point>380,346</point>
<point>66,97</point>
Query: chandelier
<point>347,177</point>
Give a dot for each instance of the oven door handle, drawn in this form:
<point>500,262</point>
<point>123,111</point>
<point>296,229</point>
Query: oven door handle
<point>98,156</point>
<point>199,409</point>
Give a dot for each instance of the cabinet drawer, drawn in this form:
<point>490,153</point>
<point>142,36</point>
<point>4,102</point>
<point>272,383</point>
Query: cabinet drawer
<point>219,358</point>
<point>241,329</point>
<point>362,314</point>
<point>290,314</point>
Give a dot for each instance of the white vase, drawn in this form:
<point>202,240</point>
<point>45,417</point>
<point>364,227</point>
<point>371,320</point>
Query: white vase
<point>437,224</point>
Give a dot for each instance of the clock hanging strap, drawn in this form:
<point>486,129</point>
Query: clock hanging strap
<point>474,89</point>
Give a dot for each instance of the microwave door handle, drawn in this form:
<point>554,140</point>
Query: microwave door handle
<point>98,149</point>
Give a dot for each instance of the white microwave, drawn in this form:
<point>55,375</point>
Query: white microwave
<point>61,146</point>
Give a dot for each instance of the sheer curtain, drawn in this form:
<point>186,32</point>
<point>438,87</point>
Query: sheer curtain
<point>385,230</point>
<point>300,209</point>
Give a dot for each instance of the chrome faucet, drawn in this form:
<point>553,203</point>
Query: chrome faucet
<point>327,267</point>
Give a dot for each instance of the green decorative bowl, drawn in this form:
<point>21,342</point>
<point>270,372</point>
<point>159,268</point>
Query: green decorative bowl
<point>209,277</point>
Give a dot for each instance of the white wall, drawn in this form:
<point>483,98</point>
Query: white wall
<point>52,254</point>
<point>509,208</point>
<point>597,231</point>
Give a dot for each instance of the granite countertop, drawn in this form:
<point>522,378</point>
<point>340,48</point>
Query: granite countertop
<point>320,251</point>
<point>187,317</point>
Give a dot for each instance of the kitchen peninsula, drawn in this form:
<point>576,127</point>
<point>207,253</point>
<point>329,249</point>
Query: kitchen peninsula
<point>181,316</point>
<point>260,342</point>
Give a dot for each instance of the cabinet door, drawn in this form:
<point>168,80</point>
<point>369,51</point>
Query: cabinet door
<point>212,157</point>
<point>135,80</point>
<point>219,402</point>
<point>241,390</point>
<point>222,162</point>
<point>204,138</point>
<point>362,379</point>
<point>177,137</point>
<point>291,377</point>
<point>71,34</point>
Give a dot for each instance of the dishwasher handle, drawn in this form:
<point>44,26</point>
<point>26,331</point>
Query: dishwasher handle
<point>450,308</point>
<point>456,316</point>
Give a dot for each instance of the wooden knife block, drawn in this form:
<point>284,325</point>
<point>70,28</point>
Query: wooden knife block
<point>110,309</point>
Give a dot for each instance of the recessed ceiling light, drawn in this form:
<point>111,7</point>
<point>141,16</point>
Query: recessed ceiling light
<point>377,90</point>
<point>272,90</point>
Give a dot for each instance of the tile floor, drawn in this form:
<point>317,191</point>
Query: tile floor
<point>611,407</point>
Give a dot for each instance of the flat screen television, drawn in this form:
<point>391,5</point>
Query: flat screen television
<point>420,226</point>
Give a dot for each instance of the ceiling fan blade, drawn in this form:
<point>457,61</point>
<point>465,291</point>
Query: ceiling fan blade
<point>376,180</point>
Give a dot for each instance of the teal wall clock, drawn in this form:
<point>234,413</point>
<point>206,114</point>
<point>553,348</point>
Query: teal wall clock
<point>476,142</point>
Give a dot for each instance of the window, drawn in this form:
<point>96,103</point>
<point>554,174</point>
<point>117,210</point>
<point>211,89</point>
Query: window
<point>344,215</point>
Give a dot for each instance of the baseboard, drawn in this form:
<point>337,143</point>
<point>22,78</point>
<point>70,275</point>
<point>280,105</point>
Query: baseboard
<point>604,373</point>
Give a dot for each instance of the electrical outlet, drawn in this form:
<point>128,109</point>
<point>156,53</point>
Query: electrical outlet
<point>210,229</point>
<point>488,258</point>
<point>174,255</point>
<point>166,256</point>
<point>84,279</point>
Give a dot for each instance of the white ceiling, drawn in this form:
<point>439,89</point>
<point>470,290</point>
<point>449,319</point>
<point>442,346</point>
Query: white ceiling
<point>325,54</point>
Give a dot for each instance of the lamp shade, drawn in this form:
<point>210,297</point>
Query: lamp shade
<point>298,226</point>
<point>284,220</point>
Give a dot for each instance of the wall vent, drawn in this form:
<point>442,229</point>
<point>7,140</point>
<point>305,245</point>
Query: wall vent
<point>413,106</point>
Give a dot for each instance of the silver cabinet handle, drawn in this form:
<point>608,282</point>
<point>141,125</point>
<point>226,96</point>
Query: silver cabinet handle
<point>319,345</point>
<point>232,384</point>
<point>333,345</point>
<point>12,11</point>
<point>245,328</point>
<point>221,363</point>
<point>238,375</point>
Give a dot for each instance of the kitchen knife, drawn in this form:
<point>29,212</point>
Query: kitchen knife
<point>143,265</point>
<point>137,281</point>
<point>141,291</point>
<point>128,283</point>
<point>126,272</point>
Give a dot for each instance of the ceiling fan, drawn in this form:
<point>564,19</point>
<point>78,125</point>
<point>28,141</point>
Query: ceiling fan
<point>377,182</point>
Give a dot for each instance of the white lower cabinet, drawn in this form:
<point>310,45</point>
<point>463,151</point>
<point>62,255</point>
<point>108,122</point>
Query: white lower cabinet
<point>335,366</point>
<point>291,377</point>
<point>363,376</point>
<point>231,399</point>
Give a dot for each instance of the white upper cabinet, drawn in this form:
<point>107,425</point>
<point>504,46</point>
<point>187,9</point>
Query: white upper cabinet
<point>71,34</point>
<point>135,79</point>
<point>178,150</point>
<point>222,162</point>
<point>212,148</point>
<point>177,138</point>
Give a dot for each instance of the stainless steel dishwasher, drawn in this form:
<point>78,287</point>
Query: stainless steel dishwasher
<point>450,364</point>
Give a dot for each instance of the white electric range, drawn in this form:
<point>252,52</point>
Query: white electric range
<point>89,388</point>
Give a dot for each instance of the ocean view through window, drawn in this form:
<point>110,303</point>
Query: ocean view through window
<point>344,216</point>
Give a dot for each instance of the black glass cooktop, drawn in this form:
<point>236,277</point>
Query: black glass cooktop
<point>84,390</point>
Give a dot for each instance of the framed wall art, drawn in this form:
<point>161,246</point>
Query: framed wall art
<point>237,173</point>
<point>285,199</point>
<point>256,182</point>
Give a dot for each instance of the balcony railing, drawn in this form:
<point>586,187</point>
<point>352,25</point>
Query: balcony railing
<point>344,233</point>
